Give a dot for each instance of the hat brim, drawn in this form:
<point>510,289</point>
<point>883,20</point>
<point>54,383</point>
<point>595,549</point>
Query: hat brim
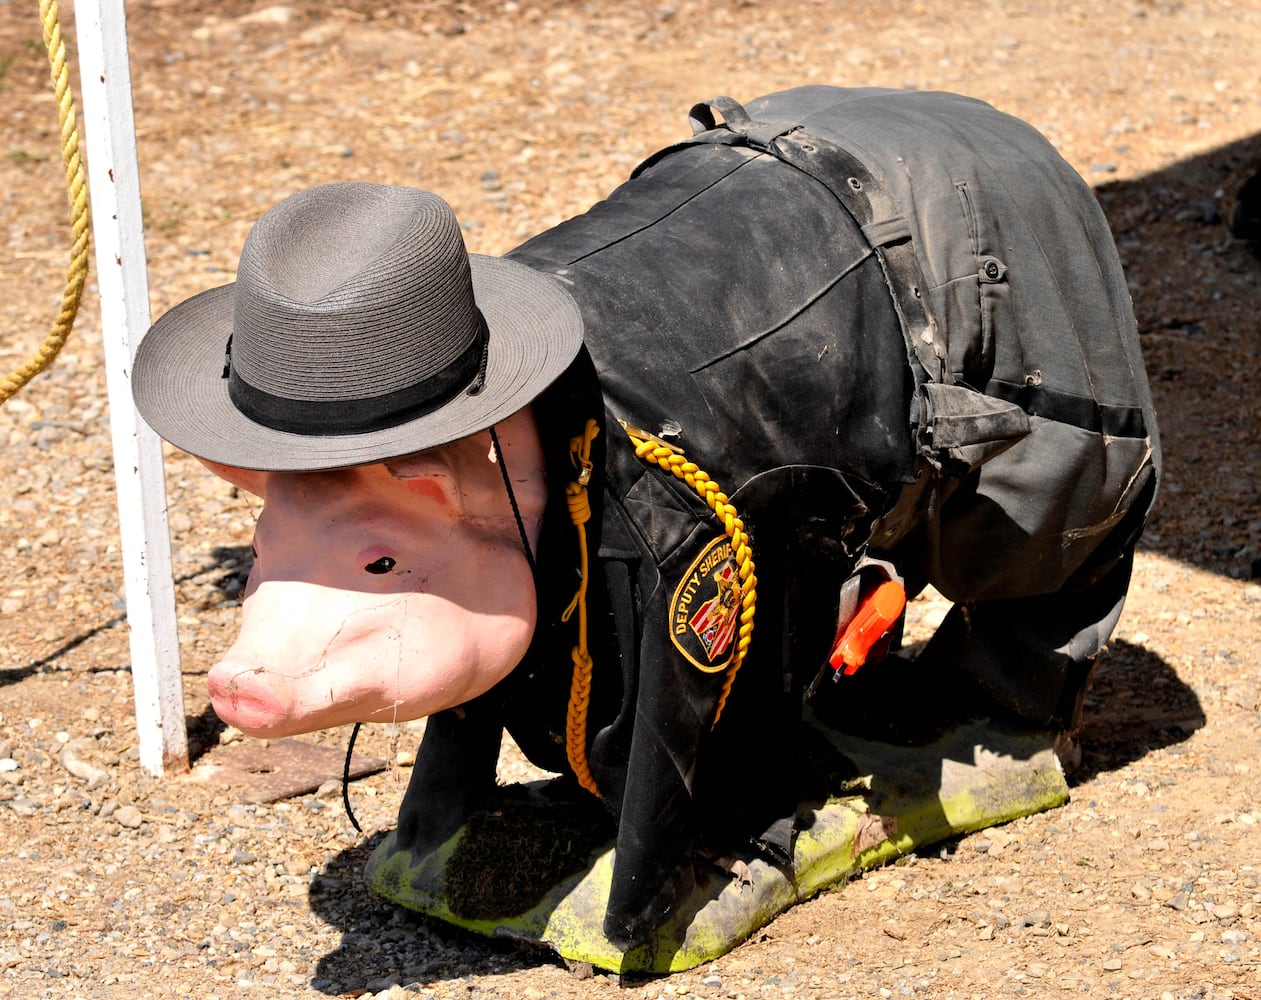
<point>535,331</point>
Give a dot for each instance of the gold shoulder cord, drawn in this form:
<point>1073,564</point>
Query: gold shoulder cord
<point>651,449</point>
<point>580,686</point>
<point>654,451</point>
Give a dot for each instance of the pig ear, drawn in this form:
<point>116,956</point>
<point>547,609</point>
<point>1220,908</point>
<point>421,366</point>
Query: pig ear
<point>421,465</point>
<point>247,479</point>
<point>406,467</point>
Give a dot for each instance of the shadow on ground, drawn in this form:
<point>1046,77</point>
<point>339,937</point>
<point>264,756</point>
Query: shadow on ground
<point>224,573</point>
<point>1197,295</point>
<point>50,663</point>
<point>383,943</point>
<point>1137,704</point>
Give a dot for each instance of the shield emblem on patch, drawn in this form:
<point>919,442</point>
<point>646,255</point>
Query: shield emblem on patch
<point>705,609</point>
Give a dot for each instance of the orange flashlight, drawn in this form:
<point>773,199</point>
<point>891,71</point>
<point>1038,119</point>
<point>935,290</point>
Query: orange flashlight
<point>877,614</point>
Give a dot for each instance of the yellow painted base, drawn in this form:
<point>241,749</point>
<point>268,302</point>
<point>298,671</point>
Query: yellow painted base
<point>973,777</point>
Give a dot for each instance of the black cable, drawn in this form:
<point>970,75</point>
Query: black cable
<point>512,500</point>
<point>529,558</point>
<point>346,779</point>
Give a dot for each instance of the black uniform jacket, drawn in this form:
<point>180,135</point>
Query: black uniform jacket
<point>883,323</point>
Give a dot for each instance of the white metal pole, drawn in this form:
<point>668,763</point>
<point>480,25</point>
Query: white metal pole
<point>114,190</point>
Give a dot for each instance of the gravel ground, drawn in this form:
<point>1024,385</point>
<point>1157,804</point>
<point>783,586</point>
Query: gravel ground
<point>117,885</point>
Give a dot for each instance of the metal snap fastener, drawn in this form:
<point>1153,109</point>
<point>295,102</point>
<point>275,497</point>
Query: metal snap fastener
<point>992,269</point>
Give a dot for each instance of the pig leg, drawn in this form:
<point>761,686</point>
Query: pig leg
<point>454,772</point>
<point>1034,655</point>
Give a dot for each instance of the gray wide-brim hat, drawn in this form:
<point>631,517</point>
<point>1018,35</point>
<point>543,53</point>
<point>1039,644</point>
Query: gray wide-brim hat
<point>358,330</point>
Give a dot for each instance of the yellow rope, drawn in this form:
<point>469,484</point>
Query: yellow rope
<point>653,450</point>
<point>580,685</point>
<point>76,275</point>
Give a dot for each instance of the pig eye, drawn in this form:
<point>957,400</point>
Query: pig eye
<point>382,565</point>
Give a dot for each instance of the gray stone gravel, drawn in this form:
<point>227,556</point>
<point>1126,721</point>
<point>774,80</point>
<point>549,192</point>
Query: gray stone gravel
<point>116,885</point>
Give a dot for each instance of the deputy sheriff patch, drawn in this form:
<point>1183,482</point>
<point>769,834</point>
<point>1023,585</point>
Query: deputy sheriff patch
<point>705,609</point>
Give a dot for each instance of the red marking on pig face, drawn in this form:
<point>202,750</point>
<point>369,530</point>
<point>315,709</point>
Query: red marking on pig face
<point>428,475</point>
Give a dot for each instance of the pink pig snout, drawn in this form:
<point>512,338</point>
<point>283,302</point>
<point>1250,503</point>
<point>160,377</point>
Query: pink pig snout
<point>310,657</point>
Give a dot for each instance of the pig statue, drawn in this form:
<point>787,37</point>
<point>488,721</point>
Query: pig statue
<point>620,491</point>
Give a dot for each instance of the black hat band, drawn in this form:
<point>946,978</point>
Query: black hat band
<point>325,417</point>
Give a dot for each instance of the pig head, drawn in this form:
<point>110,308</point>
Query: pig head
<point>385,592</point>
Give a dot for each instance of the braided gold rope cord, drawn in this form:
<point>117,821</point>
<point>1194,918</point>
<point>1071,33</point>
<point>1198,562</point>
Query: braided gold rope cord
<point>580,685</point>
<point>77,192</point>
<point>672,460</point>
